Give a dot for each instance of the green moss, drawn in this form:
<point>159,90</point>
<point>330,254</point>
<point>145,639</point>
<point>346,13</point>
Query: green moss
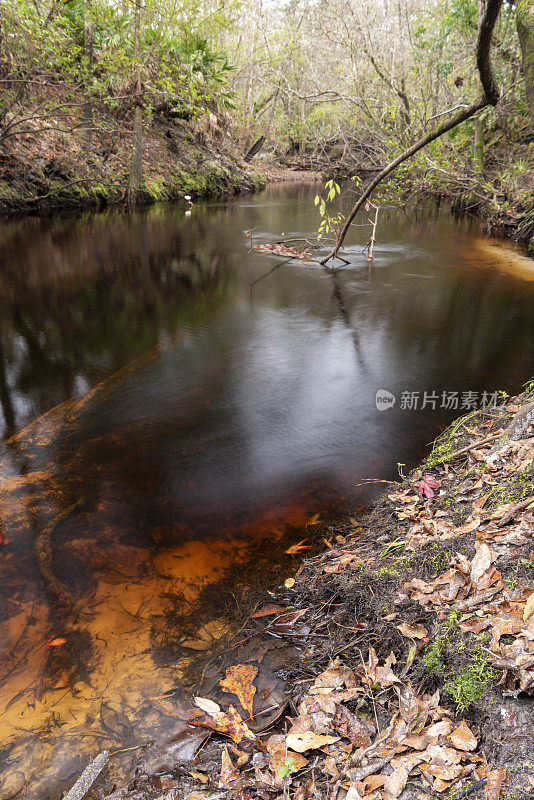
<point>518,488</point>
<point>448,442</point>
<point>461,662</point>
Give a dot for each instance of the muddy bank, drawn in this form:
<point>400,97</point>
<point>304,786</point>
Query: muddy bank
<point>397,663</point>
<point>52,169</point>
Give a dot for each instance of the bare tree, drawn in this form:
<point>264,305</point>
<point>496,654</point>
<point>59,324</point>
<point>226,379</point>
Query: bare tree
<point>489,97</point>
<point>136,168</point>
<point>87,124</point>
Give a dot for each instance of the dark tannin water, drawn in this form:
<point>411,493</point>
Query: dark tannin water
<point>174,404</point>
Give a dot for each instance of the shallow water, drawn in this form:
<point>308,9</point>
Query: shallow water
<point>174,404</point>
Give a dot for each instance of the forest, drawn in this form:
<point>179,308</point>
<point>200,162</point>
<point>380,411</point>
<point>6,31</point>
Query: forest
<point>104,101</point>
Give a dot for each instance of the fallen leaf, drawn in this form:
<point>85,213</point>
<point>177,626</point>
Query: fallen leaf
<point>208,706</point>
<point>463,737</point>
<point>481,562</point>
<point>426,485</point>
<point>529,608</point>
<point>396,782</point>
<point>413,631</point>
<point>229,723</point>
<point>268,610</point>
<point>283,760</point>
<point>229,774</point>
<point>308,741</point>
<point>496,778</point>
<point>55,642</point>
<point>470,525</point>
<point>289,583</point>
<point>238,681</point>
<point>199,776</point>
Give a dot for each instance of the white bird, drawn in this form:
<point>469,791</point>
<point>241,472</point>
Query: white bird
<point>188,198</point>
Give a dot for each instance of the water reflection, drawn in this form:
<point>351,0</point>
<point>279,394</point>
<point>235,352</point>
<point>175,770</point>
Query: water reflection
<point>171,403</point>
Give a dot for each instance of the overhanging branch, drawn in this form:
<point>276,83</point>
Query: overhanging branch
<point>490,97</point>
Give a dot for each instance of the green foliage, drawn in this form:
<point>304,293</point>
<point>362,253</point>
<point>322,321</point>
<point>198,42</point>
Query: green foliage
<point>462,663</point>
<point>178,61</point>
<point>287,768</point>
<point>330,223</point>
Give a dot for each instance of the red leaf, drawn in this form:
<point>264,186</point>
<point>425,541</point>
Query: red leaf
<point>426,485</point>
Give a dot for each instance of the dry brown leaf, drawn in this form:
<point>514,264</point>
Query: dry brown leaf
<point>372,782</point>
<point>289,583</point>
<point>441,728</point>
<point>494,785</point>
<point>481,562</point>
<point>353,793</point>
<point>413,631</point>
<point>474,625</point>
<point>529,608</point>
<point>446,773</point>
<point>396,782</point>
<point>229,723</point>
<point>238,681</point>
<point>266,611</point>
<point>471,524</point>
<point>463,737</point>
<point>229,774</point>
<point>282,757</point>
<point>199,776</point>
<point>503,625</point>
<point>301,742</point>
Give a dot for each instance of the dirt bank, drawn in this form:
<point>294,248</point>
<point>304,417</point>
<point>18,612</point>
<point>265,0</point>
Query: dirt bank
<point>398,663</point>
<point>52,167</point>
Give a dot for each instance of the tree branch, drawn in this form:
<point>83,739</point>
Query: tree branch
<point>490,97</point>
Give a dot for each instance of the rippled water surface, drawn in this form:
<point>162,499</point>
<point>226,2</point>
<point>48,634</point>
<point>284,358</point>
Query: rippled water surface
<point>174,404</point>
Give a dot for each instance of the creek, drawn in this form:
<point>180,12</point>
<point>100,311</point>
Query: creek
<point>178,410</point>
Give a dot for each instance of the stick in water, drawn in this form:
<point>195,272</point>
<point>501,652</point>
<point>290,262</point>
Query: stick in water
<point>88,777</point>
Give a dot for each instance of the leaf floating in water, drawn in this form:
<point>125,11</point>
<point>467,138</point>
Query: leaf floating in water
<point>56,642</point>
<point>296,548</point>
<point>238,681</point>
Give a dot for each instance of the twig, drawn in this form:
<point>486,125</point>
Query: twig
<point>88,777</point>
<point>466,449</point>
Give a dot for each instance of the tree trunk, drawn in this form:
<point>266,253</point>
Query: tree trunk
<point>525,31</point>
<point>136,168</point>
<point>87,124</point>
